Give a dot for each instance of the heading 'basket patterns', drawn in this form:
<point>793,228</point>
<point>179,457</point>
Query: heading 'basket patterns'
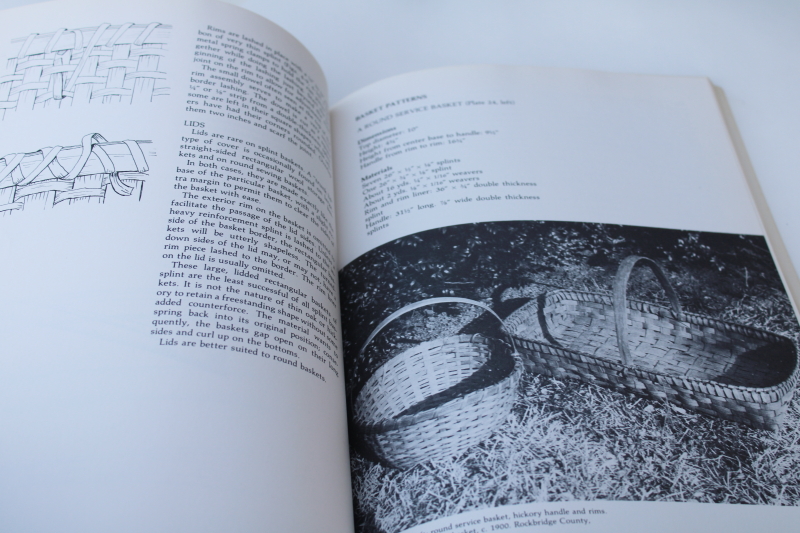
<point>718,368</point>
<point>439,398</point>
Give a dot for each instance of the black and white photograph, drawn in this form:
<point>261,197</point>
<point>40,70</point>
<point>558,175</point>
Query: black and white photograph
<point>502,363</point>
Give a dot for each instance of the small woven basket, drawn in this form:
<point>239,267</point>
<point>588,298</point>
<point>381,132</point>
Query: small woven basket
<point>718,368</point>
<point>437,399</point>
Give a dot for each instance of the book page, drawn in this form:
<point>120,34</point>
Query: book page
<point>560,308</point>
<point>552,129</point>
<point>171,356</point>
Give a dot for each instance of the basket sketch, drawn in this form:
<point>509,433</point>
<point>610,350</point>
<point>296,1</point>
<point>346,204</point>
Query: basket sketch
<point>727,370</point>
<point>105,64</point>
<point>439,398</point>
<point>71,174</point>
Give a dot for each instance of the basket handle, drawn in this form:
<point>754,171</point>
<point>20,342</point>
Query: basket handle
<point>620,299</point>
<point>431,301</point>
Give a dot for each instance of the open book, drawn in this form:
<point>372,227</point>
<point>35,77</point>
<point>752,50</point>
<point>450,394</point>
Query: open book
<point>467,299</point>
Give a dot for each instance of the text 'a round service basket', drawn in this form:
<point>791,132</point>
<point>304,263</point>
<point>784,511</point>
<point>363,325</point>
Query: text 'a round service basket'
<point>439,398</point>
<point>718,368</point>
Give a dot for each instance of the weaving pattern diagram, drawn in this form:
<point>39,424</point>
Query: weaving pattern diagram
<point>105,64</point>
<point>72,174</point>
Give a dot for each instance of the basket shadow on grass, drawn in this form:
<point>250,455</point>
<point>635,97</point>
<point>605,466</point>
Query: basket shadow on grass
<point>568,441</point>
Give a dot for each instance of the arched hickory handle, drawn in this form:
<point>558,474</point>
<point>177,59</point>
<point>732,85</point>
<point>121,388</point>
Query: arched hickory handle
<point>431,301</point>
<point>620,299</point>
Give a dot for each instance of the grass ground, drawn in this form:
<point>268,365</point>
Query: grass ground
<point>572,441</point>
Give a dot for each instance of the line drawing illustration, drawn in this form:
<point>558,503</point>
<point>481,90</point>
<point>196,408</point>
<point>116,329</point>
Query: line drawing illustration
<point>72,174</point>
<point>104,64</point>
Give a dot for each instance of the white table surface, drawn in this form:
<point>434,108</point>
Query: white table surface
<point>749,48</point>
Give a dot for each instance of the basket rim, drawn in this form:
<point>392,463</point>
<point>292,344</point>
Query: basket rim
<point>695,384</point>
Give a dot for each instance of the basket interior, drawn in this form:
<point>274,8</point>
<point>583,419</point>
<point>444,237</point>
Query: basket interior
<point>699,347</point>
<point>430,374</point>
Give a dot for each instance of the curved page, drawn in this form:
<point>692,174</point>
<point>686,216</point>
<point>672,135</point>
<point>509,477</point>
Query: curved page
<point>170,352</point>
<point>605,398</point>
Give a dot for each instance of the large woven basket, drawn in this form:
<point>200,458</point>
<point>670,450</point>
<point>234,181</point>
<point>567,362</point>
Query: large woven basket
<point>437,399</point>
<point>718,368</point>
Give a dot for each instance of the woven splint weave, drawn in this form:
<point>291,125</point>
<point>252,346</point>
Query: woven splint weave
<point>438,398</point>
<point>103,64</point>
